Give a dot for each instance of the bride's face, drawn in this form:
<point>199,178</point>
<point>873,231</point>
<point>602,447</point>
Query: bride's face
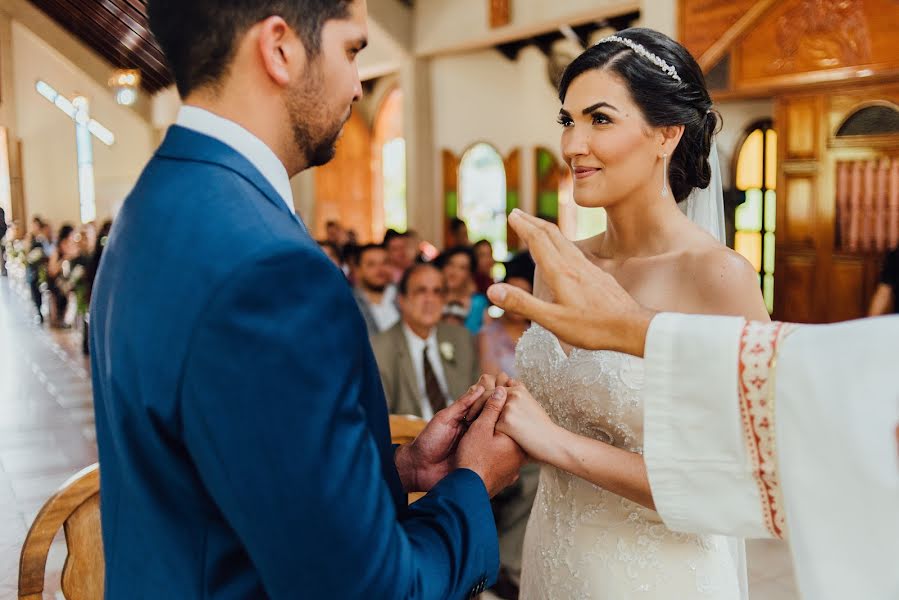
<point>608,145</point>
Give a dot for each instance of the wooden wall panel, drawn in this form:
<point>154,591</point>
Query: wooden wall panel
<point>847,299</point>
<point>343,187</point>
<point>794,290</point>
<point>798,226</point>
<point>703,22</point>
<point>801,128</point>
<point>814,41</point>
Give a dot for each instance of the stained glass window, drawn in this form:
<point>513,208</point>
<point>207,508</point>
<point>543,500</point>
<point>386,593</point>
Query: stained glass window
<point>755,219</point>
<point>482,196</point>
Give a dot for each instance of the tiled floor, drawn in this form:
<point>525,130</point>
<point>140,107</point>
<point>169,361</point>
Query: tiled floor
<point>46,426</point>
<point>47,434</point>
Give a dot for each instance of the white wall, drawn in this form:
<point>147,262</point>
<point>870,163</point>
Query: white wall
<point>48,135</point>
<point>660,15</point>
<point>443,25</point>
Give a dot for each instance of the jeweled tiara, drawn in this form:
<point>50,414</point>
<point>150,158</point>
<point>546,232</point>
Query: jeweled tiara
<point>642,51</point>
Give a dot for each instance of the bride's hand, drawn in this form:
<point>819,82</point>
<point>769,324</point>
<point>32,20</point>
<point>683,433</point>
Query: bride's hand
<point>525,421</point>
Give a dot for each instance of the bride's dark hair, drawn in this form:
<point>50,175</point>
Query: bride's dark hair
<point>662,99</point>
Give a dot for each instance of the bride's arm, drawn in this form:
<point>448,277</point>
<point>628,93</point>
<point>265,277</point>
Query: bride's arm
<point>614,469</point>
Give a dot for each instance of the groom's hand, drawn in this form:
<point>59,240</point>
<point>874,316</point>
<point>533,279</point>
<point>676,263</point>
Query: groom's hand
<point>431,456</point>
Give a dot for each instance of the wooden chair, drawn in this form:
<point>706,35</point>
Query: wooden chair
<point>404,429</point>
<point>76,508</point>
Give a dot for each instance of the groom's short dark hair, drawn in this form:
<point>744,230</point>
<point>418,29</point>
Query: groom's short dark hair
<point>198,37</point>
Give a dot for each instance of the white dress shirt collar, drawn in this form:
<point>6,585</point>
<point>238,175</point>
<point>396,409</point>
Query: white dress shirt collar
<point>416,344</point>
<point>251,147</point>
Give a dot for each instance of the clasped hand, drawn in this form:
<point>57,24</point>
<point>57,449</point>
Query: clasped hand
<point>491,430</point>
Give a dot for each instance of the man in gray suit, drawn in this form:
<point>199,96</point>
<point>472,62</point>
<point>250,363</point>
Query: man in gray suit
<point>374,292</point>
<point>424,363</point>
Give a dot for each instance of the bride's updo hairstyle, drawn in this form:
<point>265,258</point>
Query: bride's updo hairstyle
<point>673,96</point>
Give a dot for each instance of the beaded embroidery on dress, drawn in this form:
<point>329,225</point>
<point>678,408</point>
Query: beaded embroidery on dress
<point>583,541</point>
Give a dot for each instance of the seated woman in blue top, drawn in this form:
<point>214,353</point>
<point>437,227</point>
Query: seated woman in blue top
<point>458,266</point>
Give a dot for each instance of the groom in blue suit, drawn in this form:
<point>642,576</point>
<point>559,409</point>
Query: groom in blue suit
<point>242,428</point>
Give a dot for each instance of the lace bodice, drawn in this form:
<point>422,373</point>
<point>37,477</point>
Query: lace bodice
<point>595,394</point>
<point>583,541</point>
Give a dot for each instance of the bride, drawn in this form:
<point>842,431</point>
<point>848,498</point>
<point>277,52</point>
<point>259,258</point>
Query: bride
<point>637,134</point>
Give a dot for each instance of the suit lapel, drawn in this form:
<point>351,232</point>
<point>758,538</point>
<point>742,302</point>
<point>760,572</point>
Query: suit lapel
<point>450,367</point>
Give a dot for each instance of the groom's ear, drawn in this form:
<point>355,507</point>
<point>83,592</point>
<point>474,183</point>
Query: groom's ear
<point>669,136</point>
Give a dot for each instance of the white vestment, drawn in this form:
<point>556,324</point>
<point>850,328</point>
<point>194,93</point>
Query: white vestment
<point>781,431</point>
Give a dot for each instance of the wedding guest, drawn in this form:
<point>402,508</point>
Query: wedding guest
<point>399,253</point>
<point>886,296</point>
<point>374,292</point>
<point>416,242</point>
<point>458,233</point>
<point>440,359</point>
<point>499,337</point>
<point>93,266</point>
<point>351,262</point>
<point>458,266</point>
<point>47,237</point>
<point>60,271</point>
<point>425,251</point>
<point>332,251</point>
<point>335,233</point>
<point>36,263</point>
<point>484,261</point>
<point>3,229</point>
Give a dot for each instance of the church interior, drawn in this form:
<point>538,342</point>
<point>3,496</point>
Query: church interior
<point>456,128</point>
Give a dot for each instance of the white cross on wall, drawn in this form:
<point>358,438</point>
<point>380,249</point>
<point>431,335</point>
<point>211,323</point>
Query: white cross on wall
<point>79,111</point>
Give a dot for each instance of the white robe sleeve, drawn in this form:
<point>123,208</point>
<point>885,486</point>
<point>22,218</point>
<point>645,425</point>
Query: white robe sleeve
<point>768,430</point>
<point>837,406</point>
<point>699,472</point>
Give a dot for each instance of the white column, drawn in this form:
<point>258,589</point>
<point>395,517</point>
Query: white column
<point>424,200</point>
<point>660,15</point>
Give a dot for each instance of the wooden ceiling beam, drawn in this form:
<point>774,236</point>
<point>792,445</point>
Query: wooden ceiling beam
<point>736,31</point>
<point>117,30</point>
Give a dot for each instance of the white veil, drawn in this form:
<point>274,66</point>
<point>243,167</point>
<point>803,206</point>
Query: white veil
<point>705,207</point>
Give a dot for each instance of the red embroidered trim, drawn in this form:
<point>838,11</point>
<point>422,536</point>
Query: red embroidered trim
<point>758,349</point>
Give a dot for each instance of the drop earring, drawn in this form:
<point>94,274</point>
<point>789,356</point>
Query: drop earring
<point>664,174</point>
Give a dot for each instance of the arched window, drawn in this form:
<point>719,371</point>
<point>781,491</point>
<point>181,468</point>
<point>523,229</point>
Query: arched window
<point>875,119</point>
<point>389,180</point>
<point>482,196</point>
<point>754,219</point>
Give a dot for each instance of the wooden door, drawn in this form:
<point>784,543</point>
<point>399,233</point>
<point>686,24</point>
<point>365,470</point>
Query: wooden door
<point>820,276</point>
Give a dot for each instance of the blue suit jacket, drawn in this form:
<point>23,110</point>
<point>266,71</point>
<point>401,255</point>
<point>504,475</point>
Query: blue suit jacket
<point>242,428</point>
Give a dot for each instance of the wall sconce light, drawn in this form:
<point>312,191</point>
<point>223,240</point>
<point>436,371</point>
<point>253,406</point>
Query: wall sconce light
<point>125,84</point>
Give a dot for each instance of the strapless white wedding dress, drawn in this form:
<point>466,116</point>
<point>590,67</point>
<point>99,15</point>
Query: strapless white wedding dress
<point>583,541</point>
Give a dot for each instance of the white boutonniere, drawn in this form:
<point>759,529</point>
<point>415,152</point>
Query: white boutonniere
<point>447,351</point>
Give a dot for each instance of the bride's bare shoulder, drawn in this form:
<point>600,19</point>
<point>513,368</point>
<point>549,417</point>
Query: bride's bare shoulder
<point>723,282</point>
